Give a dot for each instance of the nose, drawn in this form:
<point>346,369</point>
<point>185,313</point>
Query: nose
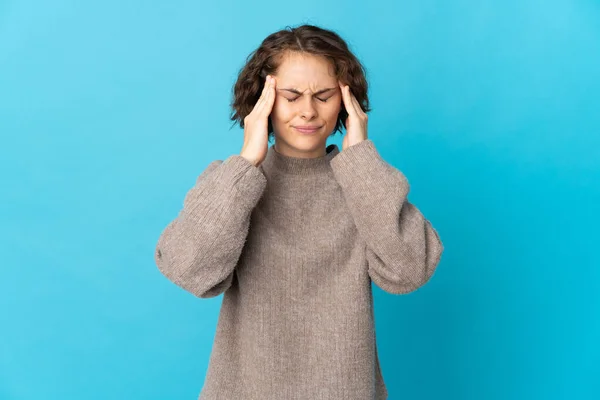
<point>307,109</point>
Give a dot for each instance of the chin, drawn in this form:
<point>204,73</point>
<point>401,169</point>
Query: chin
<point>302,142</point>
<point>305,141</point>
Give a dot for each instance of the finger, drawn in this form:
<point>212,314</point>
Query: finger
<point>355,103</point>
<point>264,90</point>
<point>261,99</point>
<point>266,102</point>
<point>270,97</point>
<point>343,91</point>
<point>350,108</point>
<point>357,106</point>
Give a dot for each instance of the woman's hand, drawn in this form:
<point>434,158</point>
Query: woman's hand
<point>256,125</point>
<point>356,123</point>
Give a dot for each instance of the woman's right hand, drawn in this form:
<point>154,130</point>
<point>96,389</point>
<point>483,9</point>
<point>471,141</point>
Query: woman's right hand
<point>256,125</point>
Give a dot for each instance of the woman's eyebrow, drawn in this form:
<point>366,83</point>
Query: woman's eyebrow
<point>316,93</point>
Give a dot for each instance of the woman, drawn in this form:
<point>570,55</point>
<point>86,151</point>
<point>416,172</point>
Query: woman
<point>294,233</point>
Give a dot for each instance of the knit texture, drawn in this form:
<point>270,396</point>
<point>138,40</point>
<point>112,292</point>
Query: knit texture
<point>293,245</point>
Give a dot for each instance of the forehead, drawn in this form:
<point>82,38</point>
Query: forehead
<point>304,70</point>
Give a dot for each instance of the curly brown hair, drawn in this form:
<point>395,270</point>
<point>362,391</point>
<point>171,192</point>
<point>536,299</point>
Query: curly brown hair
<point>302,39</point>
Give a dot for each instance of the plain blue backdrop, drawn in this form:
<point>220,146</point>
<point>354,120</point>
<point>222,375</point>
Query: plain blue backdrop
<point>109,111</point>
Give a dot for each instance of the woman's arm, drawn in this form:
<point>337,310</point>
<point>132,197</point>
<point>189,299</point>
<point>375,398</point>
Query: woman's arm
<point>200,248</point>
<point>402,248</point>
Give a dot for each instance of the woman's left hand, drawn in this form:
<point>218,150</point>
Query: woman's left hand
<point>356,123</point>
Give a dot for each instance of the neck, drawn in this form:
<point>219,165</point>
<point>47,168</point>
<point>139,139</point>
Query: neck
<point>284,148</point>
<point>275,162</point>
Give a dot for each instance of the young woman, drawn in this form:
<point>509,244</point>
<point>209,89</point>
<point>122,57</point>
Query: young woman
<point>293,234</point>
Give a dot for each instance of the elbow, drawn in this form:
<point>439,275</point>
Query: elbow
<point>432,254</point>
<point>166,264</point>
<point>434,251</point>
<point>214,289</point>
<point>391,284</point>
<point>406,274</point>
<point>399,283</point>
<point>190,278</point>
<point>427,267</point>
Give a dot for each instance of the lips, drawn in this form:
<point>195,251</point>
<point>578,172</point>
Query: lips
<point>307,128</point>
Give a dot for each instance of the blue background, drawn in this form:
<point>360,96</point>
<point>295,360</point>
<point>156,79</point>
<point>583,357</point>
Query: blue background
<point>109,111</point>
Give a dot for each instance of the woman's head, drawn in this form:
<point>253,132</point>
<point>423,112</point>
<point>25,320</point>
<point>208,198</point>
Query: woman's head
<point>307,62</point>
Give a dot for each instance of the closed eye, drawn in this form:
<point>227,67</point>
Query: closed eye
<point>296,98</point>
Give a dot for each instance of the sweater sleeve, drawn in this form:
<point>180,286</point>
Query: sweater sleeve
<point>200,248</point>
<point>402,247</point>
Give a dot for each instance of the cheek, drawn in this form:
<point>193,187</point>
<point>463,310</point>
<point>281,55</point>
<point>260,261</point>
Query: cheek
<point>332,111</point>
<point>281,110</point>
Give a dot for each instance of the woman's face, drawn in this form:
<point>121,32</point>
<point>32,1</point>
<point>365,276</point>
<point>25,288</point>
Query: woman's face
<point>308,94</point>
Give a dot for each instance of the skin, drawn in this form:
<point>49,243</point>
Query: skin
<point>300,99</point>
<point>306,103</point>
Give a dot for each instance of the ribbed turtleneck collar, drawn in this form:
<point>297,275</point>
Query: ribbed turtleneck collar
<point>277,162</point>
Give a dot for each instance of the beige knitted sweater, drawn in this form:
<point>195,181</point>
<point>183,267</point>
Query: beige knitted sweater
<point>294,244</point>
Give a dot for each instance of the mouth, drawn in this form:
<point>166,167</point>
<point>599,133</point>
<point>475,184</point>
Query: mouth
<point>307,129</point>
